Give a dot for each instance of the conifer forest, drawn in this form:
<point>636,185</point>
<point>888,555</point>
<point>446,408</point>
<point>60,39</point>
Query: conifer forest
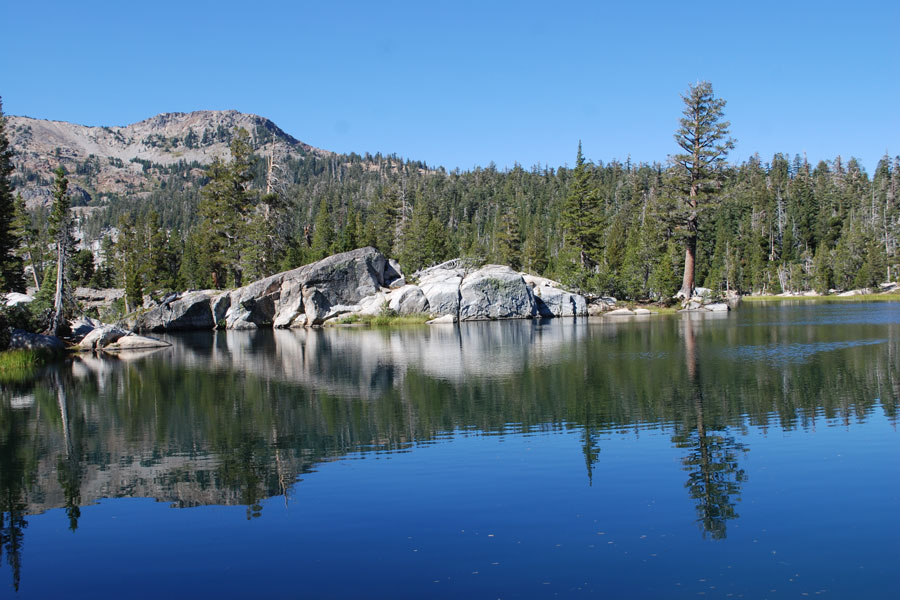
<point>620,228</point>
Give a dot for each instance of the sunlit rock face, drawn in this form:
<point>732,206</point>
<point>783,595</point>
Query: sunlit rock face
<point>495,292</point>
<point>364,282</point>
<point>189,310</point>
<point>303,296</point>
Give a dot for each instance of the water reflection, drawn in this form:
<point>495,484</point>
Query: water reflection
<point>232,418</point>
<point>715,477</point>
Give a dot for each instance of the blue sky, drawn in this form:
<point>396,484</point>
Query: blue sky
<point>461,84</point>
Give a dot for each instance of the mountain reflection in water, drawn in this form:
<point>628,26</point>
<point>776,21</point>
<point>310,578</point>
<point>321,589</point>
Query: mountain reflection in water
<point>233,418</point>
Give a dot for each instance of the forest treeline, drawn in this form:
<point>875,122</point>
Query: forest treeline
<point>781,224</point>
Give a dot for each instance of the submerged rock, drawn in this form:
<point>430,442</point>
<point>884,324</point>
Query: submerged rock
<point>619,312</point>
<point>445,320</point>
<point>717,307</point>
<point>135,342</point>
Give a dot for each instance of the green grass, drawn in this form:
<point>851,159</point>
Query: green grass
<point>654,308</point>
<point>20,365</point>
<point>383,320</point>
<point>892,297</point>
<point>662,310</point>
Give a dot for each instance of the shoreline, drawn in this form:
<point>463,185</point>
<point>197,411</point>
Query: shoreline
<point>885,297</point>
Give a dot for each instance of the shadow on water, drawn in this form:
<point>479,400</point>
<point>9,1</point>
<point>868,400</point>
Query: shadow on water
<point>232,418</point>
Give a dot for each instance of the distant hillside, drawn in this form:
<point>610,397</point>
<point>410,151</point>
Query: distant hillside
<point>107,161</point>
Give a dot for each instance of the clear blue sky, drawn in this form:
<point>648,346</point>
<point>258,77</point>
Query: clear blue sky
<point>461,84</point>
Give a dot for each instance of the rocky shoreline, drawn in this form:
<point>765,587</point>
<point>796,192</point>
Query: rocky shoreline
<point>364,282</point>
<point>360,283</point>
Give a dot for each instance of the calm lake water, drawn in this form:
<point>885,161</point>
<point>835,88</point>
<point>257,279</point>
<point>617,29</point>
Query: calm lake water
<point>753,454</point>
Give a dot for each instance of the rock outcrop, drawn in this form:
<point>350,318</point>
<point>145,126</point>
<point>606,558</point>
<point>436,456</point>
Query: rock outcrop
<point>190,310</point>
<point>495,292</point>
<point>440,285</point>
<point>135,342</point>
<point>364,282</point>
<point>19,339</point>
<point>308,295</point>
<point>15,298</point>
<point>101,337</point>
<point>408,300</point>
<point>557,302</point>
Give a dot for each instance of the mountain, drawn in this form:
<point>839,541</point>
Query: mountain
<point>104,161</point>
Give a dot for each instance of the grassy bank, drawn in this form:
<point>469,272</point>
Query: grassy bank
<point>654,308</point>
<point>18,365</point>
<point>893,297</point>
<point>383,320</point>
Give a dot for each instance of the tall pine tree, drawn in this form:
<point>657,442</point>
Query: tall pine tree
<point>703,136</point>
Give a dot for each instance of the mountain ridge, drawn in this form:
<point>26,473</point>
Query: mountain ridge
<point>105,160</point>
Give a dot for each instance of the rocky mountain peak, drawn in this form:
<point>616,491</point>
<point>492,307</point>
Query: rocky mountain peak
<point>120,159</point>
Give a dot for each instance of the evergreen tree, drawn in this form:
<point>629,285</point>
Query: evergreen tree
<point>11,274</point>
<point>822,273</point>
<point>130,263</point>
<point>226,203</point>
<point>873,266</point>
<point>384,221</point>
<point>614,255</point>
<point>663,280</point>
<point>582,219</point>
<point>535,252</point>
<point>60,230</point>
<point>82,267</point>
<point>34,245</point>
<point>509,241</point>
<point>437,244</point>
<point>697,171</point>
<point>323,234</point>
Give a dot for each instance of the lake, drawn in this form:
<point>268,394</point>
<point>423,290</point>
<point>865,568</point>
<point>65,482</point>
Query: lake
<point>753,454</point>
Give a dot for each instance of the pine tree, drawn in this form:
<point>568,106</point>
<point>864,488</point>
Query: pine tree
<point>509,240</point>
<point>582,218</point>
<point>34,246</point>
<point>11,274</point>
<point>696,172</point>
<point>323,234</point>
<point>535,252</point>
<point>82,267</point>
<point>823,276</point>
<point>412,250</point>
<point>226,203</point>
<point>384,222</point>
<point>130,262</point>
<point>60,230</point>
<point>437,243</point>
<point>663,280</point>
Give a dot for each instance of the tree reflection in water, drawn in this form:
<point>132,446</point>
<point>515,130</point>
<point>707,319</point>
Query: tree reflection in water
<point>714,475</point>
<point>233,418</point>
